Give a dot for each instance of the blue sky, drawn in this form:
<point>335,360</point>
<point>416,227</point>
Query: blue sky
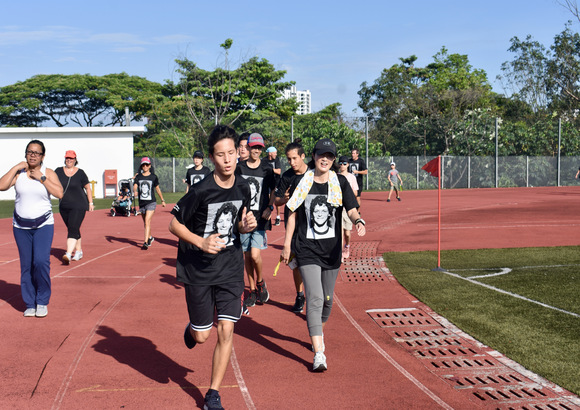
<point>327,47</point>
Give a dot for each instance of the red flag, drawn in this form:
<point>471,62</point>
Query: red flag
<point>432,167</point>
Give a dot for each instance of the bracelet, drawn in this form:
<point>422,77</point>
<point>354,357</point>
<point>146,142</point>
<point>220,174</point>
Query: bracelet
<point>362,221</point>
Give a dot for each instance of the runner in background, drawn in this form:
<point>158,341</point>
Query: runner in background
<point>346,222</point>
<point>273,160</point>
<point>144,187</point>
<point>197,172</point>
<point>295,156</point>
<point>395,180</point>
<point>357,167</point>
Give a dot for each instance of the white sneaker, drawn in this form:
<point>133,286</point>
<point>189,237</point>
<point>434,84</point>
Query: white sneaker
<point>78,256</point>
<point>41,310</point>
<point>66,258</point>
<point>319,364</point>
<point>30,312</point>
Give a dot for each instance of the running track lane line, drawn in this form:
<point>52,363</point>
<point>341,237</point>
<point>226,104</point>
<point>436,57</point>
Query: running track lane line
<point>72,368</point>
<point>241,382</point>
<point>388,357</point>
<point>89,261</point>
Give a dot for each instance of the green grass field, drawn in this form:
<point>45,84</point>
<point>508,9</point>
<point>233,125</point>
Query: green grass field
<point>521,302</point>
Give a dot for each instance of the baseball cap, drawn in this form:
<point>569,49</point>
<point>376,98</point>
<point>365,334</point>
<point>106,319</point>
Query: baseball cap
<point>255,139</point>
<point>145,160</point>
<point>271,149</point>
<point>343,158</point>
<point>70,154</point>
<point>392,163</point>
<point>198,154</point>
<point>325,145</point>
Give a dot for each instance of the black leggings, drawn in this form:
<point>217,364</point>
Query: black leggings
<point>73,218</point>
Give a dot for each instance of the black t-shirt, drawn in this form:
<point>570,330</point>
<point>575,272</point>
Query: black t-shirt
<point>317,236</point>
<point>285,182</point>
<point>357,165</point>
<point>193,175</point>
<point>262,182</point>
<point>275,164</point>
<point>207,209</point>
<point>74,196</point>
<point>146,188</point>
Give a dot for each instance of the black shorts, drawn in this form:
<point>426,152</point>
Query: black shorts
<point>203,301</point>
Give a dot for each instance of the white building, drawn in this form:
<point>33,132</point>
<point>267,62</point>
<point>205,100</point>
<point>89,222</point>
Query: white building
<point>303,97</point>
<point>98,149</point>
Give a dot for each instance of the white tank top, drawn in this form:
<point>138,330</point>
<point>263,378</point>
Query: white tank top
<point>32,199</point>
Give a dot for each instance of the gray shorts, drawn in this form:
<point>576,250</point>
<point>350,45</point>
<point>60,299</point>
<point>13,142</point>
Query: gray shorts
<point>149,207</point>
<point>255,239</point>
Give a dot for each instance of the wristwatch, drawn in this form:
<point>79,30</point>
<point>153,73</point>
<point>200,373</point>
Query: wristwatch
<point>43,178</point>
<point>271,207</point>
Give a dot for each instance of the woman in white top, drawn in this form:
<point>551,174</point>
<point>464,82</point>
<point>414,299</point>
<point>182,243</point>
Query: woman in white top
<point>33,224</point>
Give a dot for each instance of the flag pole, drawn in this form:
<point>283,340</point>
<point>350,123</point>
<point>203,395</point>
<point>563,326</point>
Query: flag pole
<point>439,268</point>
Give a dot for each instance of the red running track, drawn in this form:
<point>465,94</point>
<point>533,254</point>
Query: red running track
<point>113,335</point>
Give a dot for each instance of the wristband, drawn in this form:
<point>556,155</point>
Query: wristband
<point>362,221</point>
<point>271,207</point>
<point>90,203</point>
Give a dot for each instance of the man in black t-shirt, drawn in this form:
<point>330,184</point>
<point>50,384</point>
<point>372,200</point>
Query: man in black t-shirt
<point>358,167</point>
<point>208,221</point>
<point>197,172</point>
<point>273,160</point>
<point>260,176</point>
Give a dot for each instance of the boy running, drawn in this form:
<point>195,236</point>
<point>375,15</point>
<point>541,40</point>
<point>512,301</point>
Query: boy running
<point>392,176</point>
<point>208,221</point>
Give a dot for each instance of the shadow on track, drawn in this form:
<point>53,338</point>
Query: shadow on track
<point>142,355</point>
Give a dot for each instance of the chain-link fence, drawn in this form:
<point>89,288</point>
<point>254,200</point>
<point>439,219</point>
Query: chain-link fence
<point>458,172</point>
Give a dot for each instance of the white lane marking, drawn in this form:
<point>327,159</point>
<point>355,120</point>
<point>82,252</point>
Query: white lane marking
<point>10,261</point>
<point>515,295</point>
<point>503,271</point>
<point>388,357</point>
<point>241,382</point>
<point>73,366</point>
<point>89,261</point>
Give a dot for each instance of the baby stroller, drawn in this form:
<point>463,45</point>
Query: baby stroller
<point>124,203</point>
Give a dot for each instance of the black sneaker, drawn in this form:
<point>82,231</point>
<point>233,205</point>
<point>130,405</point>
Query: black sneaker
<point>250,301</point>
<point>150,241</point>
<point>145,246</point>
<point>212,400</point>
<point>299,304</point>
<point>398,199</point>
<point>188,338</point>
<point>263,295</point>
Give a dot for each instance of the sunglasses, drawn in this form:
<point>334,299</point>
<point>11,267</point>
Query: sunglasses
<point>343,163</point>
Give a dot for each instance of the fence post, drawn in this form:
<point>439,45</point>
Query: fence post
<point>559,145</point>
<point>527,171</point>
<point>496,152</point>
<point>173,160</point>
<point>417,179</point>
<point>469,171</point>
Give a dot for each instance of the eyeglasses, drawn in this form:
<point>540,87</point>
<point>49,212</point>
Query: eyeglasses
<point>343,163</point>
<point>67,158</point>
<point>34,153</point>
<point>143,165</point>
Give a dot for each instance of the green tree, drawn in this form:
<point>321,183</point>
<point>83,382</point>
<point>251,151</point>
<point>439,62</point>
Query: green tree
<point>82,100</point>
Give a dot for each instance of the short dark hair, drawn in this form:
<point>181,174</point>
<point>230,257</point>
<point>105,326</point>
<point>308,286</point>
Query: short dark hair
<point>245,136</point>
<point>219,133</point>
<point>297,145</point>
<point>37,142</point>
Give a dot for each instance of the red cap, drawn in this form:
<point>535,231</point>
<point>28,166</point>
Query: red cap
<point>70,154</point>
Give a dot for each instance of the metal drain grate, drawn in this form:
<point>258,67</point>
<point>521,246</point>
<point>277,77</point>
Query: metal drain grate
<point>469,368</point>
<point>363,266</point>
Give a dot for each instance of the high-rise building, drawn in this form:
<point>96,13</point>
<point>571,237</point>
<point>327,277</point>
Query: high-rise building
<point>303,97</point>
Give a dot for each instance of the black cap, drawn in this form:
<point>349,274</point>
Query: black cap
<point>343,158</point>
<point>198,154</point>
<point>325,145</point>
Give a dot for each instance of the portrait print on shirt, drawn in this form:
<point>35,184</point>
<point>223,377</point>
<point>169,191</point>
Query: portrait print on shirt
<point>256,190</point>
<point>220,219</point>
<point>195,178</point>
<point>320,216</point>
<point>145,189</point>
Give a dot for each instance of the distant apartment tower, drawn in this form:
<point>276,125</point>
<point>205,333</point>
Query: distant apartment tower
<point>303,98</point>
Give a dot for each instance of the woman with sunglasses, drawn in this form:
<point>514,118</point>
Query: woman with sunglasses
<point>76,199</point>
<point>33,224</point>
<point>144,187</point>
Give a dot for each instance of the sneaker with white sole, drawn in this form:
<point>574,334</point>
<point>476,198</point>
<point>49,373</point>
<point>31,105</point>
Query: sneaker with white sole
<point>41,310</point>
<point>319,364</point>
<point>150,241</point>
<point>30,312</point>
<point>66,258</point>
<point>212,400</point>
<point>78,256</point>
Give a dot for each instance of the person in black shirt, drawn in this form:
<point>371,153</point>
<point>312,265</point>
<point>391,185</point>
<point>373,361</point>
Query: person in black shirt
<point>273,160</point>
<point>358,167</point>
<point>76,200</point>
<point>208,221</point>
<point>262,184</point>
<point>320,194</point>
<point>295,156</point>
<point>144,185</point>
<point>197,172</point>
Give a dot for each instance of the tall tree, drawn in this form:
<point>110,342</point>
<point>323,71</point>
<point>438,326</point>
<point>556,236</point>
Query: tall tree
<point>82,100</point>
